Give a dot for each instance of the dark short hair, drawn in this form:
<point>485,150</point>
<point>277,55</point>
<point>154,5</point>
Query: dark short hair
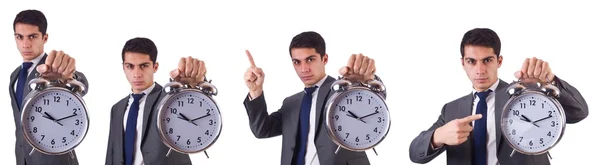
<point>140,45</point>
<point>32,17</point>
<point>481,37</point>
<point>308,39</point>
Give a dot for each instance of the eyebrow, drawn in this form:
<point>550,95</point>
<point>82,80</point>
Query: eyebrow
<point>488,57</point>
<point>311,56</point>
<point>145,63</point>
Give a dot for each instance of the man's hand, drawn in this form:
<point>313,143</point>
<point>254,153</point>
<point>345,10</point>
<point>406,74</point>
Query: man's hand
<point>360,68</point>
<point>454,132</point>
<point>535,70</point>
<point>190,71</point>
<point>254,78</point>
<point>58,65</point>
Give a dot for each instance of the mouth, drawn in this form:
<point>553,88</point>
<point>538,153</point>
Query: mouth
<point>305,78</point>
<point>481,80</point>
<point>138,83</point>
<point>27,53</point>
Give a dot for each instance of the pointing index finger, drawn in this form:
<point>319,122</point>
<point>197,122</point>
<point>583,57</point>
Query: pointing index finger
<point>250,59</point>
<point>471,118</point>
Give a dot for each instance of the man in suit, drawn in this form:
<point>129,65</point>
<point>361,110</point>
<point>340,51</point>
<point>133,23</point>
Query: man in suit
<point>305,139</point>
<point>134,139</point>
<point>463,125</point>
<point>30,35</point>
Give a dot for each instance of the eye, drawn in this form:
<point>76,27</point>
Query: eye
<point>32,37</point>
<point>19,37</point>
<point>487,60</point>
<point>296,62</point>
<point>310,59</point>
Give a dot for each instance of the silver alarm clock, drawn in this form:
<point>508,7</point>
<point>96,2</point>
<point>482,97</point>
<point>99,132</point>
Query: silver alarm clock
<point>189,119</point>
<point>532,120</point>
<point>357,116</point>
<point>54,116</point>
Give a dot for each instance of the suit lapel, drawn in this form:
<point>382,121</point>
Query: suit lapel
<point>33,75</point>
<point>465,108</point>
<point>11,87</point>
<point>322,97</point>
<point>501,99</point>
<point>149,108</point>
<point>119,135</point>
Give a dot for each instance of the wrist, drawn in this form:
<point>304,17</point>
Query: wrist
<point>255,93</point>
<point>435,140</point>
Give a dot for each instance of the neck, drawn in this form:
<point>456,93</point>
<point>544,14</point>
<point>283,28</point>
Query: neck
<point>319,79</point>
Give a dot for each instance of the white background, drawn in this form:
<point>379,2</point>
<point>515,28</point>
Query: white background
<point>415,45</point>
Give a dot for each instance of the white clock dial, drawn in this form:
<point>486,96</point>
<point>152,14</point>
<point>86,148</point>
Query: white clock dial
<point>190,121</point>
<point>533,123</point>
<point>359,119</point>
<point>56,121</point>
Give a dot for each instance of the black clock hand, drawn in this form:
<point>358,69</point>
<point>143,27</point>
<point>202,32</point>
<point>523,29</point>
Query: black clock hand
<point>525,118</point>
<point>200,117</point>
<point>48,116</point>
<point>376,112</point>
<point>542,119</point>
<point>66,117</point>
<point>186,118</point>
<point>354,116</point>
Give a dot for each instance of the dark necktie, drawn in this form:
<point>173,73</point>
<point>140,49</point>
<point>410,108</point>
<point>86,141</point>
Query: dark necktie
<point>130,129</point>
<point>22,82</point>
<point>480,130</point>
<point>304,124</point>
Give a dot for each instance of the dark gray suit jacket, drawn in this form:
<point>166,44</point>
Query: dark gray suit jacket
<point>153,149</point>
<point>574,104</point>
<point>285,122</point>
<point>22,148</point>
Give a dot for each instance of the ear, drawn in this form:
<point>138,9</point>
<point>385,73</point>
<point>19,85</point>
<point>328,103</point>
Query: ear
<point>325,58</point>
<point>500,58</point>
<point>45,38</point>
<point>155,67</point>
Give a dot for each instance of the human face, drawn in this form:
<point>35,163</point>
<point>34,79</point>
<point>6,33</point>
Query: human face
<point>139,70</point>
<point>481,65</point>
<point>30,41</point>
<point>309,65</point>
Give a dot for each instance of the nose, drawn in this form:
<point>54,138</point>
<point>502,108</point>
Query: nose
<point>137,72</point>
<point>304,68</point>
<point>480,68</point>
<point>26,43</point>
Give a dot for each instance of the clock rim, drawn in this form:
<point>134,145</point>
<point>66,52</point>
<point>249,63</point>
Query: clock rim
<point>330,109</point>
<point>162,107</point>
<point>506,110</point>
<point>28,102</point>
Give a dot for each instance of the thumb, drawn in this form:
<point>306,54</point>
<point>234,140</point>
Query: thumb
<point>518,74</point>
<point>174,73</point>
<point>43,68</point>
<point>344,70</point>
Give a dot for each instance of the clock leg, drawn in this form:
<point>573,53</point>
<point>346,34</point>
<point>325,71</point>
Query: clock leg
<point>513,152</point>
<point>205,153</point>
<point>375,151</point>
<point>31,152</point>
<point>337,150</point>
<point>72,155</point>
<point>549,156</point>
<point>169,152</point>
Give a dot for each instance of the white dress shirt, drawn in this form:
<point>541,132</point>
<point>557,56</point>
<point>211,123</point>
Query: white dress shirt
<point>312,158</point>
<point>35,61</point>
<point>491,122</point>
<point>138,158</point>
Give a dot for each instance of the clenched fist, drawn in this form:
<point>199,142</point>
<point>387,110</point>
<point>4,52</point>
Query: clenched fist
<point>360,68</point>
<point>190,71</point>
<point>58,65</point>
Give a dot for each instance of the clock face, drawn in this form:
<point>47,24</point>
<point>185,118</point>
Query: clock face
<point>55,121</point>
<point>359,119</point>
<point>532,122</point>
<point>190,121</point>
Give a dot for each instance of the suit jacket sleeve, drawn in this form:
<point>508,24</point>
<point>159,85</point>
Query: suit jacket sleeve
<point>262,124</point>
<point>81,78</point>
<point>421,150</point>
<point>575,106</point>
<point>109,148</point>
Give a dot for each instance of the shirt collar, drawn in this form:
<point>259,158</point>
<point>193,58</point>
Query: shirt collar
<point>493,87</point>
<point>37,60</point>
<point>148,90</point>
